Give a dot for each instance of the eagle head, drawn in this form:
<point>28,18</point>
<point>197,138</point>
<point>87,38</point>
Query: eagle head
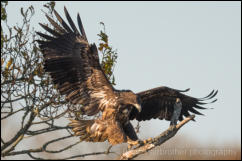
<point>127,97</point>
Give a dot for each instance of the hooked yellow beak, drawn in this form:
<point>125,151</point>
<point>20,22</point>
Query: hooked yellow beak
<point>138,107</point>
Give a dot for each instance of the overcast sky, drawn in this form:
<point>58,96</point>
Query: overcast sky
<point>181,45</point>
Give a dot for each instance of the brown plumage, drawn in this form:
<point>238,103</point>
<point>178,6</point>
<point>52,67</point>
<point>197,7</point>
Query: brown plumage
<point>162,99</point>
<point>74,66</point>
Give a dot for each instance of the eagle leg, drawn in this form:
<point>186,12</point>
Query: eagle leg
<point>176,112</point>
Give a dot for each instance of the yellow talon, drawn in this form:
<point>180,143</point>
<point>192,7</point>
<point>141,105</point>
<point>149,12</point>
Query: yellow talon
<point>147,140</point>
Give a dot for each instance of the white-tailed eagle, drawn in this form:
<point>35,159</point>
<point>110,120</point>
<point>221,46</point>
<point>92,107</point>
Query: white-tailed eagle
<point>74,66</point>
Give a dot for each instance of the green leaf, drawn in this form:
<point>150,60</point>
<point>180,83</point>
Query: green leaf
<point>109,55</point>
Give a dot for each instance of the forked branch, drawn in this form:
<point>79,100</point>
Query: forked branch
<point>157,141</point>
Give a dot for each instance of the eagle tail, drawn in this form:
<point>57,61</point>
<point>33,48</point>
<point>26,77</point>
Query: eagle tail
<point>81,128</point>
<point>87,130</point>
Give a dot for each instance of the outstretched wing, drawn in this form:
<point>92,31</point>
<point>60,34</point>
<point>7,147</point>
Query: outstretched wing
<point>159,103</point>
<point>74,65</point>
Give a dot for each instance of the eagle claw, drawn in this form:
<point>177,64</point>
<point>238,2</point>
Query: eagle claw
<point>138,143</point>
<point>131,144</point>
<point>147,140</point>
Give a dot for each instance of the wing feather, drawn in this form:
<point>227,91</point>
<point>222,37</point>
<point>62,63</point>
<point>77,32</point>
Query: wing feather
<point>62,22</point>
<point>56,26</point>
<point>81,27</point>
<point>53,32</point>
<point>71,22</point>
<point>159,103</point>
<point>74,65</point>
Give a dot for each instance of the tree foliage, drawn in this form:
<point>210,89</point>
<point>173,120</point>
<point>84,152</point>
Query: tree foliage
<point>109,56</point>
<point>27,92</point>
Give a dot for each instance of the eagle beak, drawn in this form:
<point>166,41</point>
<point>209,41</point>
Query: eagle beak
<point>138,107</point>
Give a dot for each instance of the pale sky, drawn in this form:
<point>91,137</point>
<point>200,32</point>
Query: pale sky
<point>181,45</point>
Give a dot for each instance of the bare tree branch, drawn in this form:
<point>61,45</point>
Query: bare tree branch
<point>157,141</point>
<point>71,157</point>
